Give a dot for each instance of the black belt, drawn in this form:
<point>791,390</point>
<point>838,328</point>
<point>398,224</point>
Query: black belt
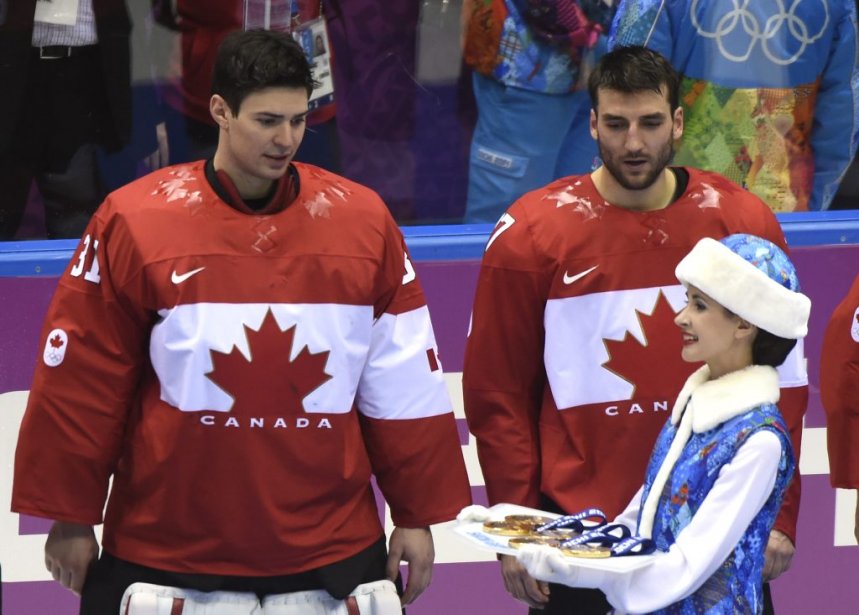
<point>60,52</point>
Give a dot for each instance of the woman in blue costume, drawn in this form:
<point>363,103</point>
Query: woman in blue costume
<point>722,462</point>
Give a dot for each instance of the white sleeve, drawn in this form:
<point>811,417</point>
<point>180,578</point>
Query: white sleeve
<point>629,516</point>
<point>398,380</point>
<point>737,496</point>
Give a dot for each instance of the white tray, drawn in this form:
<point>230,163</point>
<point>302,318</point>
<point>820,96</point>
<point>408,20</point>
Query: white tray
<point>473,532</point>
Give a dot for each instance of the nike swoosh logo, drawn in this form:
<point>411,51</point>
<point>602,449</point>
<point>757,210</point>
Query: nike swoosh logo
<point>569,279</point>
<point>178,279</point>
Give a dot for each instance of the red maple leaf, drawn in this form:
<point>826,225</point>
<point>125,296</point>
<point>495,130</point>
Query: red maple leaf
<point>660,368</point>
<point>56,341</point>
<point>268,384</point>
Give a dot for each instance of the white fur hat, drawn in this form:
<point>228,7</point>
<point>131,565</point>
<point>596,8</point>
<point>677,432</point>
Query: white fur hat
<point>751,277</point>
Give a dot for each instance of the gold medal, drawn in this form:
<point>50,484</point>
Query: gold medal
<point>517,543</point>
<point>559,533</point>
<point>587,551</point>
<point>530,520</point>
<point>505,528</point>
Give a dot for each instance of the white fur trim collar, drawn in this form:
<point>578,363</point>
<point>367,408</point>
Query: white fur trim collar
<point>710,403</point>
<point>716,401</point>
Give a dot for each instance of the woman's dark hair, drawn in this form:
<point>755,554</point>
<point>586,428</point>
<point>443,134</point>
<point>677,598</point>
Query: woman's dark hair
<point>253,60</point>
<point>769,349</point>
<point>631,70</point>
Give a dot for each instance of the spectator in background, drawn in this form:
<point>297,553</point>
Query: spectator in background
<point>770,89</point>
<point>66,91</point>
<point>374,50</point>
<point>202,25</point>
<point>839,392</point>
<point>189,131</point>
<point>532,125</point>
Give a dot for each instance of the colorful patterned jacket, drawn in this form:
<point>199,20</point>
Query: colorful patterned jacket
<point>533,44</point>
<point>770,89</point>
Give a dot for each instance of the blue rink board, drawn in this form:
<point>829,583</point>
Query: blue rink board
<point>437,243</point>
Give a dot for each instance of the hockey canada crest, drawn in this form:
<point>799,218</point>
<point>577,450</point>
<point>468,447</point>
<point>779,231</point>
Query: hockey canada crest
<point>269,382</point>
<point>55,348</point>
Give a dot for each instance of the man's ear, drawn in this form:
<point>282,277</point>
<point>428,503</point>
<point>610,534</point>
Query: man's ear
<point>677,128</point>
<point>220,111</point>
<point>593,124</point>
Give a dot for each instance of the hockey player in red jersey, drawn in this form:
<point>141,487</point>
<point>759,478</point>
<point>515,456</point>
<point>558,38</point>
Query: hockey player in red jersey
<point>839,392</point>
<point>572,360</point>
<point>240,343</point>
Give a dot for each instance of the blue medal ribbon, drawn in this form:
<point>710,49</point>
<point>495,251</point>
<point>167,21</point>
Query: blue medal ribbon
<point>606,536</point>
<point>589,518</point>
<point>634,545</point>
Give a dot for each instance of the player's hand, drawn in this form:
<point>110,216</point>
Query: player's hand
<point>778,555</point>
<point>522,585</point>
<point>414,546</point>
<point>69,552</point>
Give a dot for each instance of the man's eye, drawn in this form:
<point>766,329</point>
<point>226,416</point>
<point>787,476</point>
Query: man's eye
<point>298,121</point>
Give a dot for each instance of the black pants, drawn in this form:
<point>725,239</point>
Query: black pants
<point>54,144</point>
<point>110,576</point>
<point>565,600</point>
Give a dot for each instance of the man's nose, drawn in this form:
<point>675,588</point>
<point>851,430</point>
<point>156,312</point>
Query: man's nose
<point>633,138</point>
<point>284,136</point>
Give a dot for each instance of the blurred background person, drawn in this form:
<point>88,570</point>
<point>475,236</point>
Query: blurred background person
<point>770,89</point>
<point>188,132</point>
<point>66,77</point>
<point>528,58</point>
<point>373,43</point>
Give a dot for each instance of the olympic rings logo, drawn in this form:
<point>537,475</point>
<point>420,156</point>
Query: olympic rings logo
<point>741,16</point>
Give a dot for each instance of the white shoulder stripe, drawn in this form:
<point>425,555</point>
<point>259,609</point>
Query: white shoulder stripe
<point>399,381</point>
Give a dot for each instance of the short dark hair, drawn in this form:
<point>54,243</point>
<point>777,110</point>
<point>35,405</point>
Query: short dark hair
<point>253,60</point>
<point>770,349</point>
<point>634,69</point>
<point>767,348</point>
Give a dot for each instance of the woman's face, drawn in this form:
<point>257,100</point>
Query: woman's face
<point>713,335</point>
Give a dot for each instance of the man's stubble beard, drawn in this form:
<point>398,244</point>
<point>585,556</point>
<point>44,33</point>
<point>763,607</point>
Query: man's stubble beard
<point>663,159</point>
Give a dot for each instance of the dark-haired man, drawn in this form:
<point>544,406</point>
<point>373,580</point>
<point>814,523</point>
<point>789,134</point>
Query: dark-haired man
<point>573,357</point>
<point>240,343</point>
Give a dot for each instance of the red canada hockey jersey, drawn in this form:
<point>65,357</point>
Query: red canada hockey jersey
<point>573,359</point>
<point>240,376</point>
<point>839,390</point>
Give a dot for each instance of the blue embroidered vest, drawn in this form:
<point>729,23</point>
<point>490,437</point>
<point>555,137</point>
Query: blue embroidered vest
<point>736,586</point>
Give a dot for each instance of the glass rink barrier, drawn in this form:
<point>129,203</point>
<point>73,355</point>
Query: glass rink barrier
<point>825,248</point>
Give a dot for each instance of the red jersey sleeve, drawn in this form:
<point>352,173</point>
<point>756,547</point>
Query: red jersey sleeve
<point>94,343</point>
<point>406,414</point>
<point>503,376</point>
<point>839,390</point>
